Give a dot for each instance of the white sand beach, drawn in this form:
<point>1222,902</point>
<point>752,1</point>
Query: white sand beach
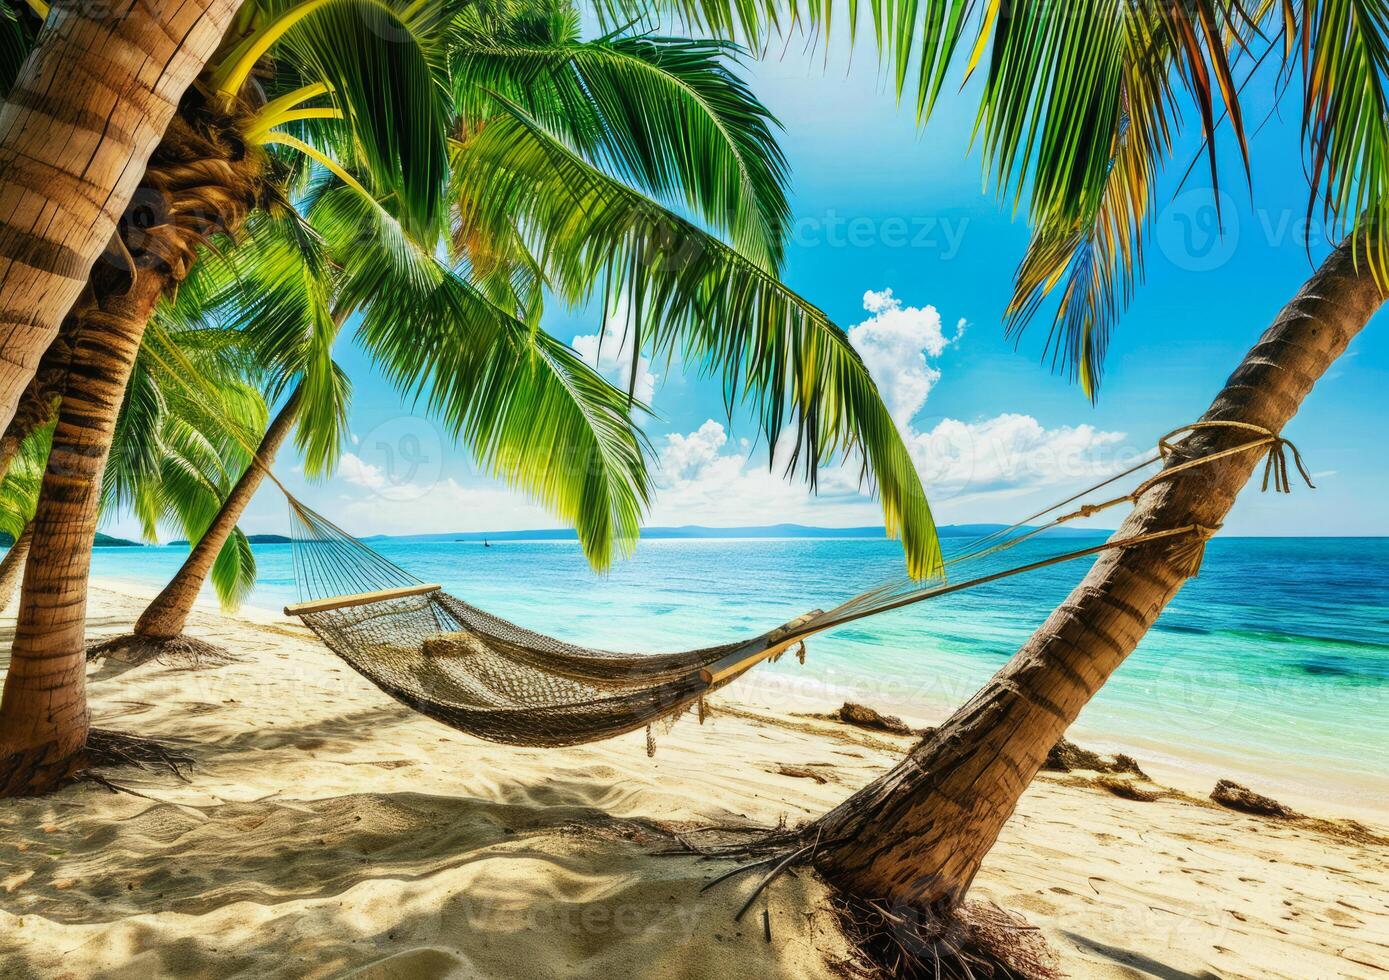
<point>325,830</point>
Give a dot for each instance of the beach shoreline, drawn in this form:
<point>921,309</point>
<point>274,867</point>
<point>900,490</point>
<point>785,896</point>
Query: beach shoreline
<point>1275,689</point>
<point>326,830</point>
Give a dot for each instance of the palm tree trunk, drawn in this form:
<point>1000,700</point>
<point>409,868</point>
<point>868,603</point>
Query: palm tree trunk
<point>916,836</point>
<point>38,403</point>
<point>43,713</point>
<point>166,616</point>
<point>201,181</point>
<point>12,565</point>
<point>76,131</point>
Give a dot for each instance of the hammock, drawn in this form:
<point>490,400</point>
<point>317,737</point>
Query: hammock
<point>482,675</point>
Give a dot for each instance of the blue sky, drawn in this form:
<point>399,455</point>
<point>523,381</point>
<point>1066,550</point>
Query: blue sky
<point>881,204</point>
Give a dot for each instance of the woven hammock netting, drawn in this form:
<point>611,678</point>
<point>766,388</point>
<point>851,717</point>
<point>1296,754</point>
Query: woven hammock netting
<point>480,674</point>
<point>488,677</point>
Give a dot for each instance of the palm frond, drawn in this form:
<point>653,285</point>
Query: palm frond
<point>274,294</point>
<point>384,65</point>
<point>689,293</point>
<point>1093,258</point>
<point>1343,48</point>
<point>668,115</point>
<point>531,412</point>
<point>19,492</point>
<point>234,570</point>
<point>1078,112</point>
<point>16,40</point>
<point>136,449</point>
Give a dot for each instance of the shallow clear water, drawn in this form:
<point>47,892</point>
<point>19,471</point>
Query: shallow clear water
<point>1274,662</point>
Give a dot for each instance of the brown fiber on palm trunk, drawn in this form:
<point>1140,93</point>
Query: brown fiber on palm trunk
<point>974,941</point>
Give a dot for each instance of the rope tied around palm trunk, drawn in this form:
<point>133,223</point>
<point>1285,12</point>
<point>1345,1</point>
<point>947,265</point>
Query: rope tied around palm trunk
<point>1276,470</point>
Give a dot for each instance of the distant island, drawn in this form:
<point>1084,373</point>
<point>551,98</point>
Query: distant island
<point>102,541</point>
<point>701,531</point>
<point>687,531</point>
<point>253,538</point>
<point>106,541</point>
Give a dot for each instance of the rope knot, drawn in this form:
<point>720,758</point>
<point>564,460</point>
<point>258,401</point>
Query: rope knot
<point>1276,471</point>
<point>1276,466</point>
<point>1187,553</point>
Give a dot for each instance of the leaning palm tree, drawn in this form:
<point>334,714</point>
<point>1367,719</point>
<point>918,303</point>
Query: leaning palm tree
<point>1079,109</point>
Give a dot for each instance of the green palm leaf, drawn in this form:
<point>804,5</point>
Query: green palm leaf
<point>384,67</point>
<point>665,114</point>
<point>19,492</point>
<point>688,292</point>
<point>1343,49</point>
<point>273,293</point>
<point>531,411</point>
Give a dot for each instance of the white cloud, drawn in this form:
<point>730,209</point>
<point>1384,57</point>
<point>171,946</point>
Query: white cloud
<point>1012,451</point>
<point>969,467</point>
<point>704,477</point>
<point>685,457</point>
<point>611,353</point>
<point>358,472</point>
<point>895,343</point>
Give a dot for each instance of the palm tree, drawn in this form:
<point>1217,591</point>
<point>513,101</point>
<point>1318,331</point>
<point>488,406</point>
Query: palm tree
<point>84,113</point>
<point>212,169</point>
<point>1079,109</point>
<point>170,463</point>
<point>672,93</point>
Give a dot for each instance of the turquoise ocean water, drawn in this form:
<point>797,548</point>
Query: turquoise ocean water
<point>1272,666</point>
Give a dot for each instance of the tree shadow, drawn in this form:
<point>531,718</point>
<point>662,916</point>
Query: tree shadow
<point>1136,961</point>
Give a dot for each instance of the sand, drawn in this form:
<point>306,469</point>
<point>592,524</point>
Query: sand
<point>327,831</point>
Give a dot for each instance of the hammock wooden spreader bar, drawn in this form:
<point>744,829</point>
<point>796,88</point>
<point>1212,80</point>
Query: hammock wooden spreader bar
<point>358,599</point>
<point>763,648</point>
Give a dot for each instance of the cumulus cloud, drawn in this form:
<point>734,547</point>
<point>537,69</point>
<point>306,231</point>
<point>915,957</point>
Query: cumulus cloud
<point>896,343</point>
<point>1011,451</point>
<point>686,457</point>
<point>611,353</point>
<point>708,477</point>
<point>358,472</point>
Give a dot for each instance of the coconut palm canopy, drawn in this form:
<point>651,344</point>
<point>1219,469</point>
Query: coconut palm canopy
<point>645,126</point>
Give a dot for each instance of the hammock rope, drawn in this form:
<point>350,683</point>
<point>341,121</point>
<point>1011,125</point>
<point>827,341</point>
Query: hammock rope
<point>493,679</point>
